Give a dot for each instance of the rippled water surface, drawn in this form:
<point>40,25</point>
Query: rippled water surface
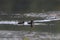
<point>28,35</point>
<point>44,31</point>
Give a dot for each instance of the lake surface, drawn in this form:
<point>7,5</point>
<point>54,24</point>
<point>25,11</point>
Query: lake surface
<point>28,35</point>
<point>51,31</point>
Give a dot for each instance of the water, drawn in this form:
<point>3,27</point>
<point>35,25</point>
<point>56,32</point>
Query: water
<point>28,35</point>
<point>51,31</point>
<point>41,32</point>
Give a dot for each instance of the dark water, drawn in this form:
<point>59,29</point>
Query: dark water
<point>53,26</point>
<point>50,27</point>
<point>51,31</point>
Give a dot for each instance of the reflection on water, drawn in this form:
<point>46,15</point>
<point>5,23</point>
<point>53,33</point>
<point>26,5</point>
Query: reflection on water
<point>30,35</point>
<point>43,31</point>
